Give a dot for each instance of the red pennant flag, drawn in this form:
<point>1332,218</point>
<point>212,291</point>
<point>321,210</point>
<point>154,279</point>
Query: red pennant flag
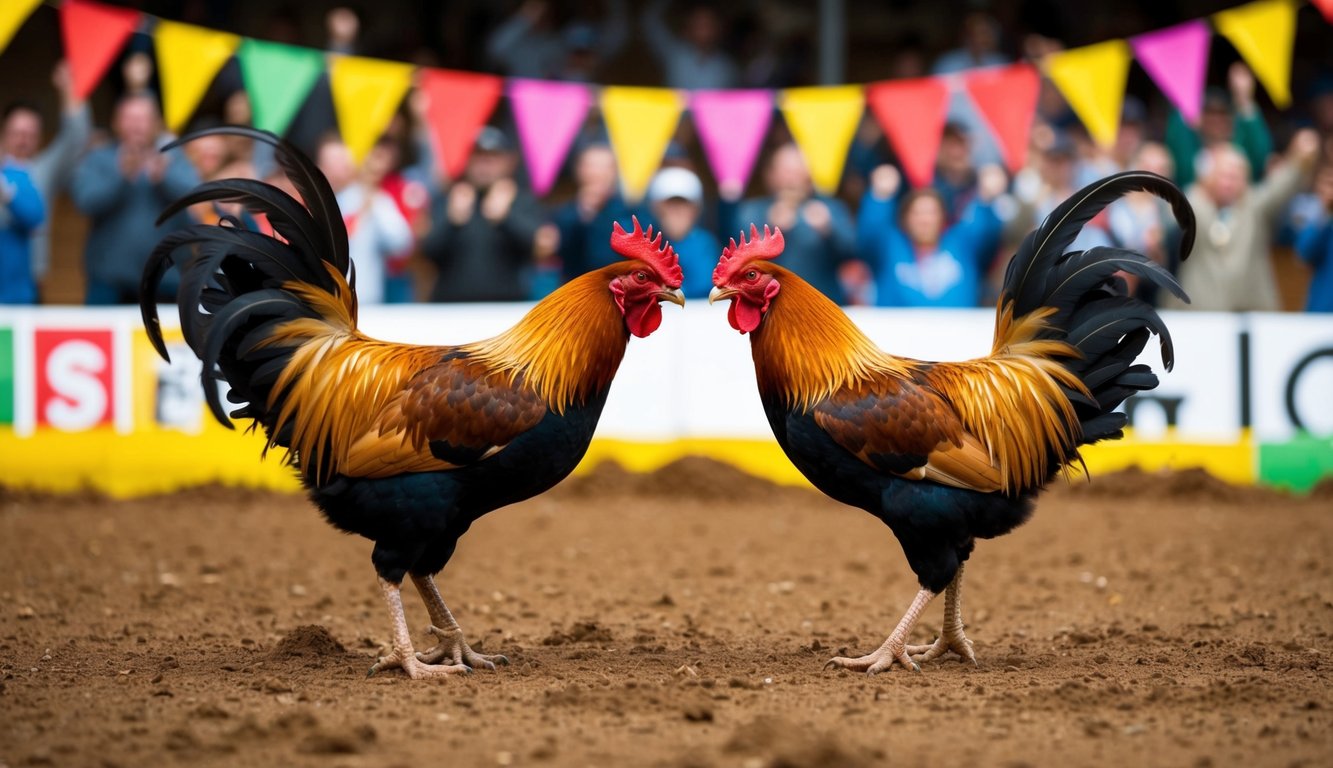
<point>912,114</point>
<point>1325,7</point>
<point>1007,98</point>
<point>93,34</point>
<point>460,103</point>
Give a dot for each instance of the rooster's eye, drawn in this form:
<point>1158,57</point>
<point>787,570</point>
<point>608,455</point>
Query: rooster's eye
<point>751,275</point>
<point>641,276</point>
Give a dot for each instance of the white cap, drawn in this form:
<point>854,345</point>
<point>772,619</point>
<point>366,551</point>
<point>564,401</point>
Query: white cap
<point>676,182</point>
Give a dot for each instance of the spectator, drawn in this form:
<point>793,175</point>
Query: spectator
<point>918,260</point>
<point>21,213</point>
<point>585,222</point>
<point>1314,244</point>
<point>1232,117</point>
<point>122,187</point>
<point>1143,222</point>
<point>1230,269</point>
<point>694,60</point>
<point>1053,180</point>
<point>819,230</point>
<point>528,44</point>
<point>383,171</point>
<point>51,168</point>
<point>376,230</point>
<point>955,176</point>
<point>485,228</point>
<point>980,48</point>
<point>676,197</point>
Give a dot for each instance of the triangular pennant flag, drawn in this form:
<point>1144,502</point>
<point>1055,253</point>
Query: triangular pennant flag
<point>548,116</point>
<point>912,114</point>
<point>188,58</point>
<point>460,103</point>
<point>1264,33</point>
<point>1177,60</point>
<point>1007,99</point>
<point>278,78</point>
<point>1325,7</point>
<point>1092,79</point>
<point>93,35</point>
<point>12,15</point>
<point>640,122</point>
<point>732,126</point>
<point>823,121</point>
<point>366,93</point>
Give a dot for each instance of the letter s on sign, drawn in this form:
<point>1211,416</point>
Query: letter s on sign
<point>74,370</point>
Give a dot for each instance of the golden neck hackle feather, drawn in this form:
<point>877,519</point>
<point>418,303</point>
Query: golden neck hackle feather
<point>807,348</point>
<point>567,348</point>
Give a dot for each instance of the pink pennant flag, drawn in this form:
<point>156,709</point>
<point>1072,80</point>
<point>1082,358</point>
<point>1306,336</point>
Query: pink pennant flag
<point>548,115</point>
<point>1177,60</point>
<point>732,126</point>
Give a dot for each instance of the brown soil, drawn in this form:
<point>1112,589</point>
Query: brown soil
<point>676,619</point>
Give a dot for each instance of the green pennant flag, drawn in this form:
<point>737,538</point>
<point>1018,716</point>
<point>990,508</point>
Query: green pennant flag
<point>278,78</point>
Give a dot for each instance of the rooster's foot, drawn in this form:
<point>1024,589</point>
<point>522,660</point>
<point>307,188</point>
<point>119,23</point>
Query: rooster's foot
<point>879,661</point>
<point>414,667</point>
<point>452,646</point>
<point>951,640</point>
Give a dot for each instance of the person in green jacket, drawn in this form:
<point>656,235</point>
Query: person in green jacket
<point>1230,115</point>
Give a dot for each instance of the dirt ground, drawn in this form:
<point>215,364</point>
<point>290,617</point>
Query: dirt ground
<point>675,619</point>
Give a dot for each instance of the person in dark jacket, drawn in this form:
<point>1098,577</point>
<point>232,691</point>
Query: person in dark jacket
<point>818,229</point>
<point>122,187</point>
<point>484,228</point>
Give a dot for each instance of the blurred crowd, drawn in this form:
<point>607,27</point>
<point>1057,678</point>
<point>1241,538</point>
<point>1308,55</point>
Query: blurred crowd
<point>417,236</point>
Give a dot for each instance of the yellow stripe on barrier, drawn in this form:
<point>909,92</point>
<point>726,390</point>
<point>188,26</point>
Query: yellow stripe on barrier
<point>161,461</point>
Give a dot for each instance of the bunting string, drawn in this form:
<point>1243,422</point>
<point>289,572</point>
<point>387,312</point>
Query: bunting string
<point>731,125</point>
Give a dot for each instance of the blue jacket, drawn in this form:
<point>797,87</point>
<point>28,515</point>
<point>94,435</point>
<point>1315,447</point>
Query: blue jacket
<point>1315,246</point>
<point>123,213</point>
<point>698,252</point>
<point>19,218</point>
<point>950,277</point>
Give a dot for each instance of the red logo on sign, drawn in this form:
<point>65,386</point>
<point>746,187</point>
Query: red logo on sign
<point>75,381</point>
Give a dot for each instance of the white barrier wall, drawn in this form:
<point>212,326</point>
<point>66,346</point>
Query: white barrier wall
<point>73,371</point>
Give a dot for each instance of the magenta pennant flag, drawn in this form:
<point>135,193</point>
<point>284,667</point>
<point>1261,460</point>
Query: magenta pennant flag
<point>549,116</point>
<point>732,126</point>
<point>1177,60</point>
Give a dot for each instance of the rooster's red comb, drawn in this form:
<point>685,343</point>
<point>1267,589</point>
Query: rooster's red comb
<point>769,245</point>
<point>644,247</point>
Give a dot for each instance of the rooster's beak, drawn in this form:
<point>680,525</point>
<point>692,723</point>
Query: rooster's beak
<point>718,293</point>
<point>674,296</point>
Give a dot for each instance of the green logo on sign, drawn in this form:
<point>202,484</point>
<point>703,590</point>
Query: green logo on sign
<point>6,376</point>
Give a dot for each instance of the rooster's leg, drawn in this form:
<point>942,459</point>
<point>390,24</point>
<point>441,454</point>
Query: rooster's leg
<point>895,648</point>
<point>951,634</point>
<point>451,645</point>
<point>402,655</point>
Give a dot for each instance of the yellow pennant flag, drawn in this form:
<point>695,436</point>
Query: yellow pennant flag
<point>12,15</point>
<point>1092,79</point>
<point>823,121</point>
<point>188,59</point>
<point>640,122</point>
<point>366,93</point>
<point>1263,33</point>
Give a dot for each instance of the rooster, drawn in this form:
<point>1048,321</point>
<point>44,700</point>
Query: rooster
<point>404,445</point>
<point>946,453</point>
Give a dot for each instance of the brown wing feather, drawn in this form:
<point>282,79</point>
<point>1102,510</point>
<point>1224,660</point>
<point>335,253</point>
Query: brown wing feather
<point>897,425</point>
<point>451,414</point>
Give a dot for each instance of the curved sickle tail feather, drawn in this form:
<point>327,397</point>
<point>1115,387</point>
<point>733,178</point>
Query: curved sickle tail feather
<point>248,301</point>
<point>1083,301</point>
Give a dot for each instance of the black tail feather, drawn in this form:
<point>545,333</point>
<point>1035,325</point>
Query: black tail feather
<point>232,294</point>
<point>1091,309</point>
